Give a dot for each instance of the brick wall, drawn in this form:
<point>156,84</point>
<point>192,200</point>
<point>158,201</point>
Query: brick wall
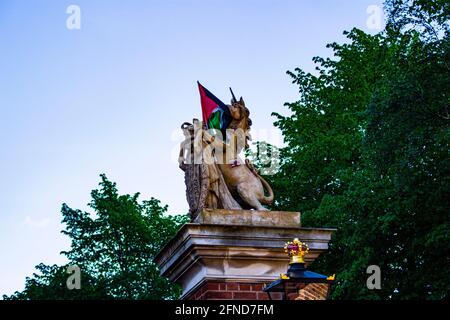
<point>313,291</point>
<point>221,290</point>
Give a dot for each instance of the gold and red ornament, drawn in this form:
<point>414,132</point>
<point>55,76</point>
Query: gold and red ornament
<point>296,250</point>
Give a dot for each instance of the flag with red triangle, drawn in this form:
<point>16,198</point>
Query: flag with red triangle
<point>216,115</point>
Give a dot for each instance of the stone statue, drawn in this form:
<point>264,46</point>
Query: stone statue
<point>215,175</point>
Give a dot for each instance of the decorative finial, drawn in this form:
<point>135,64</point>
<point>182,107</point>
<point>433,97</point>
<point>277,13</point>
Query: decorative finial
<point>296,250</point>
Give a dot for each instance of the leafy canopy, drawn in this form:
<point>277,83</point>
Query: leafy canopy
<point>367,152</point>
<point>114,248</point>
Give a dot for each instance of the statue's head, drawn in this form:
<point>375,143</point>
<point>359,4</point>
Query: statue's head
<point>240,115</point>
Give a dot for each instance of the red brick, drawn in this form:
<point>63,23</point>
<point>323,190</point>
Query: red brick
<point>212,286</point>
<point>296,296</point>
<point>262,296</point>
<point>308,295</point>
<point>231,286</point>
<point>244,295</point>
<point>218,295</point>
<point>276,296</point>
<point>245,287</point>
<point>222,286</point>
<point>257,287</point>
<point>315,291</point>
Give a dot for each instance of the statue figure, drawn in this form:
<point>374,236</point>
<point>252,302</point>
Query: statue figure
<point>215,175</point>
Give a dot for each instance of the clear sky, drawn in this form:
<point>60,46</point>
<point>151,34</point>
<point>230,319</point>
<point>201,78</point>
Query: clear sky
<point>110,97</point>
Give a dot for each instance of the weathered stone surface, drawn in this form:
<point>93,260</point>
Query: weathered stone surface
<point>237,253</point>
<point>279,219</point>
<point>215,175</point>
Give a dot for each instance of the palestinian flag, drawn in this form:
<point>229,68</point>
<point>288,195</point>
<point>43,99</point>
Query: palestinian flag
<point>216,115</point>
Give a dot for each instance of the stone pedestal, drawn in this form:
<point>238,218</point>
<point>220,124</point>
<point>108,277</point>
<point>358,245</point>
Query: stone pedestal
<point>232,254</point>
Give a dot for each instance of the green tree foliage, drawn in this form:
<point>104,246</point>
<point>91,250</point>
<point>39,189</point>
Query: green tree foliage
<point>114,248</point>
<point>367,152</point>
<point>430,17</point>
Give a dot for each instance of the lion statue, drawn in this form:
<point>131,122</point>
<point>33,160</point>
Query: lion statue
<point>227,181</point>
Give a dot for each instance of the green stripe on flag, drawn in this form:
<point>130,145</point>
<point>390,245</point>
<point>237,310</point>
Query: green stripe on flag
<point>214,120</point>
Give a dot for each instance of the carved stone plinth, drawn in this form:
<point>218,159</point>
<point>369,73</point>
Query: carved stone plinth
<point>235,247</point>
<point>249,218</point>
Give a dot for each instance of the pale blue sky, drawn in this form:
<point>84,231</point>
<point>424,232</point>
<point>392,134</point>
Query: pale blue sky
<point>108,98</point>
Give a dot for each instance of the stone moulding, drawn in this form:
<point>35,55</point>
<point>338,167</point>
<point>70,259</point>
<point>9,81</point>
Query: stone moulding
<point>249,217</point>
